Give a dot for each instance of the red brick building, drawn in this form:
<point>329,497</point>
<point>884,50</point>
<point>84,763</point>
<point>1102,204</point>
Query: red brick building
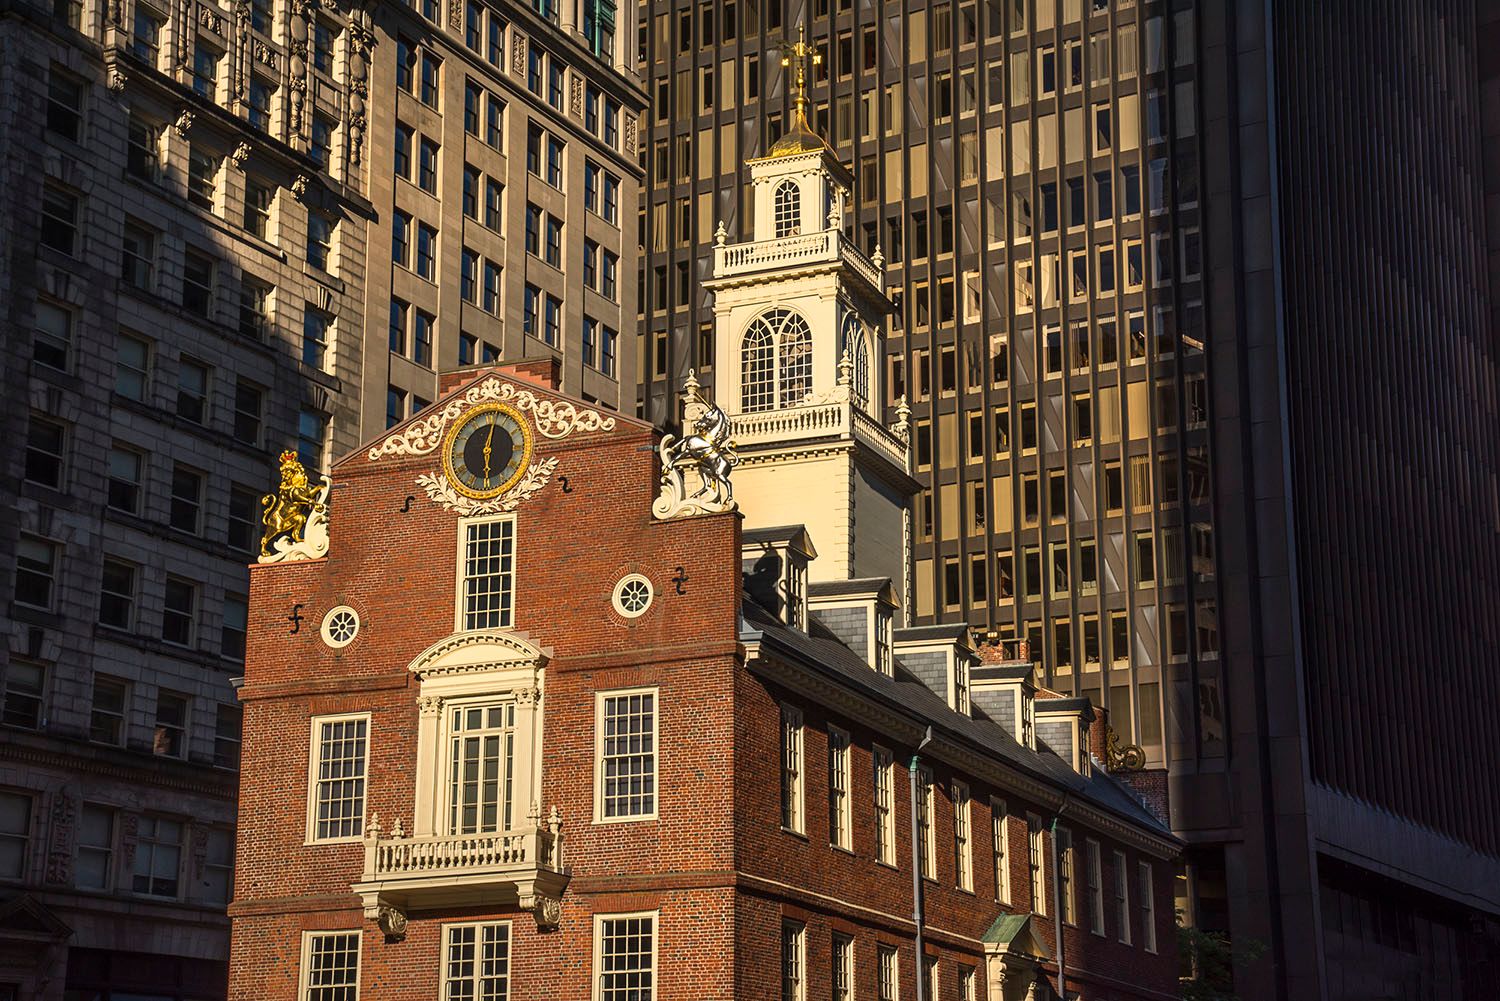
<point>513,736</point>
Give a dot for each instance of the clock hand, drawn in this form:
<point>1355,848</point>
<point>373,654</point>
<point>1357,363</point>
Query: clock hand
<point>488,441</point>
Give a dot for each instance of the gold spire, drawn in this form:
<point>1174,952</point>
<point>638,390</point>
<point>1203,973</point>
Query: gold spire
<point>800,138</point>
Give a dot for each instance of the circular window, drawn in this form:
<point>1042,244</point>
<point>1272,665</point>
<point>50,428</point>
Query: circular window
<point>340,626</point>
<point>632,596</point>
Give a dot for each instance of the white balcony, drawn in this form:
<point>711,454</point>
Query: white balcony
<point>827,247</point>
<point>834,420</point>
<point>522,868</point>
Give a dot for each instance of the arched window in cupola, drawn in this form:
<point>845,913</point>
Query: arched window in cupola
<point>854,344</point>
<point>788,209</point>
<point>776,364</point>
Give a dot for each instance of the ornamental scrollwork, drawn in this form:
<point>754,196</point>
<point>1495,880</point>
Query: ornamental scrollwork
<point>441,492</point>
<point>295,516</point>
<point>1122,757</point>
<point>553,418</point>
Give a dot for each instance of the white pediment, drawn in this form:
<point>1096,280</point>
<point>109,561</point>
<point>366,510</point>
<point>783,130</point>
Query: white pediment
<point>482,652</point>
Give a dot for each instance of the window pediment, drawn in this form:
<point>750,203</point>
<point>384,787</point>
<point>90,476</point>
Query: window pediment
<point>484,652</point>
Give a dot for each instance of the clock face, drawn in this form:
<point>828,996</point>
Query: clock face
<point>487,451</point>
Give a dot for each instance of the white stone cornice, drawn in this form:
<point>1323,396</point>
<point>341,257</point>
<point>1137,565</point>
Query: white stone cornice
<point>478,652</point>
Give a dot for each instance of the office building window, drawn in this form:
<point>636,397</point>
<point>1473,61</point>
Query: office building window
<point>107,711</point>
<point>169,738</point>
<point>45,446</point>
<point>59,220</point>
<point>93,866</point>
<point>52,335</point>
<point>158,857</point>
<point>179,611</point>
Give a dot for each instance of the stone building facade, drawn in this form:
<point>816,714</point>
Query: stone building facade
<point>198,205</point>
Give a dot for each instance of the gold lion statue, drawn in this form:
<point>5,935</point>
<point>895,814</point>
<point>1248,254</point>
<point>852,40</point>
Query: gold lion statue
<point>295,516</point>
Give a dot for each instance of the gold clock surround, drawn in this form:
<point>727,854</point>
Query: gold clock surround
<point>524,447</point>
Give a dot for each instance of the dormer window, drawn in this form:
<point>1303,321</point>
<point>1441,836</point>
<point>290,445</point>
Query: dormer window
<point>776,362</point>
<point>788,209</point>
<point>486,585</point>
<point>961,685</point>
<point>883,662</point>
<point>796,595</point>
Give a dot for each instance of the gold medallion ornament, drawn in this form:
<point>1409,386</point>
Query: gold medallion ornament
<point>488,451</point>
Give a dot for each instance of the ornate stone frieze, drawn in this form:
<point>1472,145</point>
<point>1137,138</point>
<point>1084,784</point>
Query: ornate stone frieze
<point>440,491</point>
<point>630,135</point>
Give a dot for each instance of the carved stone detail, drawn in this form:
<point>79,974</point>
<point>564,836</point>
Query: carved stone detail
<point>706,454</point>
<point>575,95</point>
<point>183,123</point>
<point>554,418</point>
<point>430,705</point>
<point>240,155</point>
<point>299,185</point>
<point>630,135</point>
<point>518,55</point>
<point>392,921</point>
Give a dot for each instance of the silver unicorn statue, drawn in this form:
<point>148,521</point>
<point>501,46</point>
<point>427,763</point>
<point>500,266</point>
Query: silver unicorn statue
<point>706,451</point>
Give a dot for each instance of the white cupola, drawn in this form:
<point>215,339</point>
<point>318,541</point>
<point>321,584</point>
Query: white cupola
<point>799,315</point>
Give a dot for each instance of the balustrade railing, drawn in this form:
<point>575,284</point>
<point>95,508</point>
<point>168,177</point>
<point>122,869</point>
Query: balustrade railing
<point>828,245</point>
<point>819,419</point>
<point>397,857</point>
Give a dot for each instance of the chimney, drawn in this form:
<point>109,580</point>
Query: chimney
<point>544,371</point>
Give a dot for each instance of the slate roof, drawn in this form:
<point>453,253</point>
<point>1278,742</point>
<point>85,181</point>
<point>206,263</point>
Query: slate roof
<point>821,650</point>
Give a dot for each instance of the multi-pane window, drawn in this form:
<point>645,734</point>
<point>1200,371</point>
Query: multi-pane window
<point>145,40</point>
<point>258,198</point>
<point>315,324</point>
<point>24,687</point>
<point>1144,891</point>
<point>218,865</point>
<point>36,572</point>
<point>235,618</point>
<point>138,257</point>
<point>787,209</point>
<point>552,331</point>
<point>405,138</point>
<point>963,857</point>
<point>1034,863</point>
<point>471,191</point>
<point>494,122</point>
<point>481,755</point>
<point>887,975</point>
<point>186,507</point>
<point>885,817</point>
<point>312,429</point>
<point>248,405</point>
<point>46,443</point>
<point>477,964</point>
<point>775,361</point>
<point>553,248</point>
<point>793,961</point>
<point>841,977</point>
<point>15,834</point>
<point>840,831</point>
<point>493,190</point>
<point>1122,898</point>
<point>627,755</point>
<point>1000,849</point>
<point>330,966</point>
<point>427,165</point>
<point>228,734</point>
<point>319,240</point>
<point>336,797</point>
<point>791,768</point>
<point>59,220</point>
<point>490,301</point>
<point>192,390</point>
<point>93,866</point>
<point>205,70</point>
<point>625,950</point>
<point>427,245</point>
<point>197,284</point>
<point>243,529</point>
<point>1094,878</point>
<point>607,341</point>
<point>926,848</point>
<point>169,738</point>
<point>431,66</point>
<point>107,711</point>
<point>422,326</point>
<point>64,105</point>
<point>485,590</point>
<point>52,335</point>
<point>320,147</point>
<point>158,857</point>
<point>203,174</point>
<point>554,161</point>
<point>324,34</point>
<point>1065,872</point>
<point>117,594</point>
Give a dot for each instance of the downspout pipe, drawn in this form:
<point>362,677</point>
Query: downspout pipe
<point>1057,907</point>
<point>918,911</point>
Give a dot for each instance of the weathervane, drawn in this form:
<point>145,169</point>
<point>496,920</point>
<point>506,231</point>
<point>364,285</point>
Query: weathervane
<point>800,50</point>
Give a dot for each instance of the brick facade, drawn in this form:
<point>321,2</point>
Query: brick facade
<point>714,864</point>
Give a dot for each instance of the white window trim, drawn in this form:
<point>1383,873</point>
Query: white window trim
<point>596,969</point>
<point>963,810</point>
<point>443,945</point>
<point>599,697</point>
<point>1000,814</point>
<point>304,966</point>
<point>887,762</point>
<point>799,931</point>
<point>846,812</point>
<point>314,726</point>
<point>792,719</point>
<point>462,545</point>
<point>1122,896</point>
